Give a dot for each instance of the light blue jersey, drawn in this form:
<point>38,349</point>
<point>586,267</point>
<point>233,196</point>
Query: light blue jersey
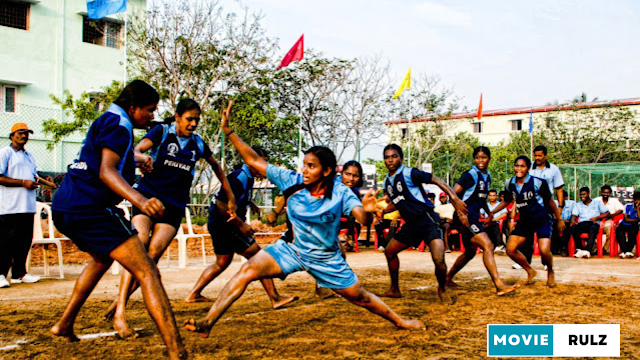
<point>315,222</point>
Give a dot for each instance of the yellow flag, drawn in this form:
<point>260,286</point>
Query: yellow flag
<point>406,84</point>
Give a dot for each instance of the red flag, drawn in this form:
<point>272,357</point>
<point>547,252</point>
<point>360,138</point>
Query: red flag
<point>296,53</point>
<point>480,108</point>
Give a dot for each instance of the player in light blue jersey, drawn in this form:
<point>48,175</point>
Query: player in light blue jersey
<point>314,211</point>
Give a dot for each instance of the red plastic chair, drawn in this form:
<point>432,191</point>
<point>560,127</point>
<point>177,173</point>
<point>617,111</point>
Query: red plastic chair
<point>613,243</point>
<point>355,236</point>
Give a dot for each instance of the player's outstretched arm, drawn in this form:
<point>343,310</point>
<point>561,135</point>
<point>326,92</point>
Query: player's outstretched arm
<point>250,157</point>
<point>143,161</point>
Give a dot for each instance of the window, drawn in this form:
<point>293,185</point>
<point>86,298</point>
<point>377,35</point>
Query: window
<point>101,32</point>
<point>14,14</point>
<point>404,133</point>
<point>8,97</point>
<point>477,127</point>
<point>516,125</point>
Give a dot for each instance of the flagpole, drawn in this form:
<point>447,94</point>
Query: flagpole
<point>409,130</point>
<point>531,134</point>
<point>124,83</point>
<point>300,137</point>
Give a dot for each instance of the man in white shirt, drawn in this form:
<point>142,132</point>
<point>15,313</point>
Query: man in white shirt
<point>18,205</point>
<point>493,227</point>
<point>615,208</point>
<point>445,210</point>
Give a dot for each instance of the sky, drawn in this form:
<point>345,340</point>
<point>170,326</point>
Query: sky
<point>517,53</point>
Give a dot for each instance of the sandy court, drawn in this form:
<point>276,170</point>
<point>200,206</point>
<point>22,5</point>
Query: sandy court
<point>589,291</point>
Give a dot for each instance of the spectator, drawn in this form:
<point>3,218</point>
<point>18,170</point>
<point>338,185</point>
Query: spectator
<point>492,227</point>
<point>18,183</point>
<point>560,241</point>
<point>543,169</point>
<point>589,213</point>
<point>615,208</point>
<point>389,221</point>
<point>432,197</point>
<point>445,210</point>
<point>627,231</point>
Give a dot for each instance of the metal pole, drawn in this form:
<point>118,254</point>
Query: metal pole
<point>125,50</point>
<point>589,181</point>
<point>448,173</point>
<point>358,150</point>
<point>506,169</point>
<point>575,183</point>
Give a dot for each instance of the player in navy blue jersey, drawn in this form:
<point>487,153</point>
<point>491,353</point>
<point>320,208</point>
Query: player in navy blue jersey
<point>473,186</point>
<point>169,171</point>
<point>535,204</point>
<point>404,187</point>
<point>314,207</point>
<point>84,209</point>
<point>231,236</point>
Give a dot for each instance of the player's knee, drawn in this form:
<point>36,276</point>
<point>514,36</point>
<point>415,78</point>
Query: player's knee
<point>248,272</point>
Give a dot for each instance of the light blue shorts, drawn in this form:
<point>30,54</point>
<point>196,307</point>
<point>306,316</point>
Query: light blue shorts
<point>332,272</point>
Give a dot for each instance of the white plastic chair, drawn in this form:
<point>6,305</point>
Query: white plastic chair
<point>38,238</point>
<point>115,266</point>
<point>182,241</point>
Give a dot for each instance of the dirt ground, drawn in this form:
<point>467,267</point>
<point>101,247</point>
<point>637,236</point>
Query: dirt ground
<point>589,292</point>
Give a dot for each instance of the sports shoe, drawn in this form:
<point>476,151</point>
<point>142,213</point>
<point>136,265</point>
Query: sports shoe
<point>622,255</point>
<point>27,279</point>
<point>586,254</point>
<point>3,282</point>
<point>545,268</point>
<point>500,250</point>
<point>577,254</point>
<point>516,266</point>
<point>380,248</point>
<point>629,255</point>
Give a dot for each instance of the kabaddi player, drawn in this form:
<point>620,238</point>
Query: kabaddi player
<point>404,187</point>
<point>314,209</point>
<point>84,209</point>
<point>170,167</point>
<point>474,185</point>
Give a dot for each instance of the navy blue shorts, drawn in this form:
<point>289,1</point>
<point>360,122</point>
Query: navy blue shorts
<point>172,216</point>
<point>413,233</point>
<point>97,232</point>
<point>227,239</point>
<point>475,228</point>
<point>527,229</point>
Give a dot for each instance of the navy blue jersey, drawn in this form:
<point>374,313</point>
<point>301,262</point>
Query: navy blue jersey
<point>82,188</point>
<point>476,187</point>
<point>407,194</point>
<point>532,198</point>
<point>174,165</point>
<point>241,183</point>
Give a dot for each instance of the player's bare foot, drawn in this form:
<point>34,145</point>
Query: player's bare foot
<point>198,327</point>
<point>451,283</point>
<point>391,293</point>
<point>531,276</point>
<point>324,293</point>
<point>282,301</point>
<point>507,289</point>
<point>412,325</point>
<point>123,329</point>
<point>68,334</point>
<point>551,279</point>
<point>444,297</point>
<point>197,299</point>
<point>111,311</point>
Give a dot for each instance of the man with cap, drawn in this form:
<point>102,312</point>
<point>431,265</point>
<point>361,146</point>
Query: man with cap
<point>17,190</point>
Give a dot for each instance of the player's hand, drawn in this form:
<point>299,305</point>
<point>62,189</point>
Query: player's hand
<point>30,185</point>
<point>595,220</point>
<point>561,226</point>
<point>459,205</point>
<point>232,208</point>
<point>224,118</point>
<point>463,218</point>
<point>145,163</point>
<point>152,207</point>
<point>256,210</point>
<point>246,229</point>
<point>369,203</point>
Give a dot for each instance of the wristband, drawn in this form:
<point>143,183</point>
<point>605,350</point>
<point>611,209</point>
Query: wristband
<point>230,132</point>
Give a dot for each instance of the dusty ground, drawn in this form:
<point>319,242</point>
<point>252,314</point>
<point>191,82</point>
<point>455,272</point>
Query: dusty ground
<point>589,291</point>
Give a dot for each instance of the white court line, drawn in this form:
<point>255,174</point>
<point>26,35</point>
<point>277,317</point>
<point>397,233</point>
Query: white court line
<point>103,334</point>
<point>14,346</point>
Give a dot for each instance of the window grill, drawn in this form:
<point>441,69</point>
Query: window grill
<point>14,14</point>
<point>101,32</point>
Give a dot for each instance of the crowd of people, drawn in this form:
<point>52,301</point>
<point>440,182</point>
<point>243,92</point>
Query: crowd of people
<point>318,203</point>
